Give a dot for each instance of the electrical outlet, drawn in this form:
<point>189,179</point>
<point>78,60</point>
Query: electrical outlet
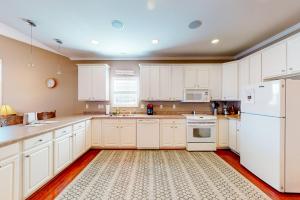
<point>161,106</point>
<point>86,106</point>
<point>142,106</point>
<point>174,106</point>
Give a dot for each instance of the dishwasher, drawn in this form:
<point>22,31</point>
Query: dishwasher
<point>148,134</point>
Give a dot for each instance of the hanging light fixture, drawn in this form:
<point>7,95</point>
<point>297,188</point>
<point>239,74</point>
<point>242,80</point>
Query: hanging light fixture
<point>59,43</point>
<point>32,25</point>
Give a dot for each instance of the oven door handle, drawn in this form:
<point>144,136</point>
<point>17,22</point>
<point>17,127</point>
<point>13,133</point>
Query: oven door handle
<point>201,125</point>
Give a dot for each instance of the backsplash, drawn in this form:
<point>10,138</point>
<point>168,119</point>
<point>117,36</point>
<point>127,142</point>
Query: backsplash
<point>161,107</point>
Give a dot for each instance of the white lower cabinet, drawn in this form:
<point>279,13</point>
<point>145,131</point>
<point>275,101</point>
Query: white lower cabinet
<point>62,152</point>
<point>88,134</point>
<point>10,172</point>
<point>119,133</point>
<point>96,133</point>
<point>148,133</point>
<point>232,134</point>
<point>172,134</point>
<point>223,129</point>
<point>37,167</point>
<point>78,142</point>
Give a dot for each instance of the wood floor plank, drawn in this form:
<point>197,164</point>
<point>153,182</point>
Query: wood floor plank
<point>55,186</point>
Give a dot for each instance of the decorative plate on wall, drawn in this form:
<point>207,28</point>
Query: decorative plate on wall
<point>51,82</point>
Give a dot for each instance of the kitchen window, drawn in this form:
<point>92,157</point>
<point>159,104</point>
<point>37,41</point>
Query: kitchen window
<point>125,91</point>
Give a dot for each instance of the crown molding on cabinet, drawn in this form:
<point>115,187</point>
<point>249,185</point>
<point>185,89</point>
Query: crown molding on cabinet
<point>280,36</point>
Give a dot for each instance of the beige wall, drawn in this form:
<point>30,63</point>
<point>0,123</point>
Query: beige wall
<point>24,87</point>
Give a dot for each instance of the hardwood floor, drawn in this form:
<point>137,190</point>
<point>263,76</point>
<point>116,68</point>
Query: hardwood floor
<point>55,186</point>
<point>234,161</point>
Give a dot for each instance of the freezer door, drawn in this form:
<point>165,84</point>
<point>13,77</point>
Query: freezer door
<point>262,148</point>
<point>267,99</point>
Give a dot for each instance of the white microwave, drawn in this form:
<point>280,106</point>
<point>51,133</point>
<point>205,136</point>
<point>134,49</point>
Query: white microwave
<point>196,95</point>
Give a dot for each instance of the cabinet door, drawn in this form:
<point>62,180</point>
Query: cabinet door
<point>232,134</point>
<point>144,83</point>
<point>78,143</point>
<point>179,136</point>
<point>255,68</point>
<point>62,153</point>
<point>148,134</point>
<point>177,83</point>
<point>128,136</point>
<point>88,134</point>
<point>84,83</point>
<point>110,135</point>
<point>243,75</point>
<point>203,78</point>
<point>37,167</point>
<point>293,54</point>
<point>215,81</point>
<point>238,126</point>
<point>100,83</point>
<point>190,77</point>
<point>164,83</point>
<point>154,83</point>
<point>223,133</point>
<point>96,132</point>
<point>274,60</point>
<point>166,135</point>
<point>10,178</point>
<point>230,81</point>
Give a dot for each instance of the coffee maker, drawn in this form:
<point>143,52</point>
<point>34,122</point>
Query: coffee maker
<point>150,109</point>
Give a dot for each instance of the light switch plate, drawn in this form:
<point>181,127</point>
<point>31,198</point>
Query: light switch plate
<point>174,106</point>
<point>86,106</point>
<point>161,106</point>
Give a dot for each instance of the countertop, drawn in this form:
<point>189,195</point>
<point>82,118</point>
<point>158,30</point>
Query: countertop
<point>12,134</point>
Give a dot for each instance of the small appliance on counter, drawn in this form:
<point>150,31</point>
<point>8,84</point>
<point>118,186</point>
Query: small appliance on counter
<point>225,109</point>
<point>107,109</point>
<point>150,109</point>
<point>29,118</point>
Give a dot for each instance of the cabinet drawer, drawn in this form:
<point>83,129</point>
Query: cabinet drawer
<point>127,121</point>
<point>63,131</point>
<point>172,121</point>
<point>79,126</point>
<point>110,121</point>
<point>41,139</point>
<point>9,150</point>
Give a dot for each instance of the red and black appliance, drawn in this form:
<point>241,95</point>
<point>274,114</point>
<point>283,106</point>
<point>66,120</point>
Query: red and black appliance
<point>150,109</point>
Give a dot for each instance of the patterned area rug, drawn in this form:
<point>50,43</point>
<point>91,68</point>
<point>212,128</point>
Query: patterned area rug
<point>160,174</point>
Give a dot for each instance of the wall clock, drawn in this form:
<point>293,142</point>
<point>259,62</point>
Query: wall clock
<point>51,82</point>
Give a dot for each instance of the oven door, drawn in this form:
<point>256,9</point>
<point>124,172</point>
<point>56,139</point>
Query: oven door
<point>201,133</point>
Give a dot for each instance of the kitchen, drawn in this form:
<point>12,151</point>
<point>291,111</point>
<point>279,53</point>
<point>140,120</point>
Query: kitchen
<point>104,120</point>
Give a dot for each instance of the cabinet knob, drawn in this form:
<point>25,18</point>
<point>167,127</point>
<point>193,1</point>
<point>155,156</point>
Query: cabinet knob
<point>0,166</point>
<point>283,70</point>
<point>40,140</point>
<point>27,156</point>
<point>290,68</point>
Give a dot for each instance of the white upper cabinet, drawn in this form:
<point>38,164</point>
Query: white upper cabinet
<point>161,82</point>
<point>255,68</point>
<point>196,76</point>
<point>274,60</point>
<point>149,83</point>
<point>230,81</point>
<point>93,82</point>
<point>177,83</point>
<point>293,54</point>
<point>243,74</point>
<point>215,81</point>
<point>165,83</point>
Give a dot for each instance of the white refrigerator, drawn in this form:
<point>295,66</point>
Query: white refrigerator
<point>270,133</point>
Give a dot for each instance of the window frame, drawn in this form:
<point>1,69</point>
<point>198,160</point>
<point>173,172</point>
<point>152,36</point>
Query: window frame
<point>113,92</point>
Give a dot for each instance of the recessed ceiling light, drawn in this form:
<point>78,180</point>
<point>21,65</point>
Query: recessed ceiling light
<point>155,41</point>
<point>117,24</point>
<point>151,4</point>
<point>195,24</point>
<point>215,41</point>
<point>95,42</point>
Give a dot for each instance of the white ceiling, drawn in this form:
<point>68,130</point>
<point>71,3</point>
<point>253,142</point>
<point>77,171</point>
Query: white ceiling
<point>239,24</point>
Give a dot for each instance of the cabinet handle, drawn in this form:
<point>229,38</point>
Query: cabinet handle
<point>40,140</point>
<point>290,68</point>
<point>27,156</point>
<point>0,166</point>
<point>283,70</point>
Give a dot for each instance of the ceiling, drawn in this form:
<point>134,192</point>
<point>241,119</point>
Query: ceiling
<point>239,24</point>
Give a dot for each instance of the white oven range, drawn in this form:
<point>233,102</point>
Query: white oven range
<point>201,132</point>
